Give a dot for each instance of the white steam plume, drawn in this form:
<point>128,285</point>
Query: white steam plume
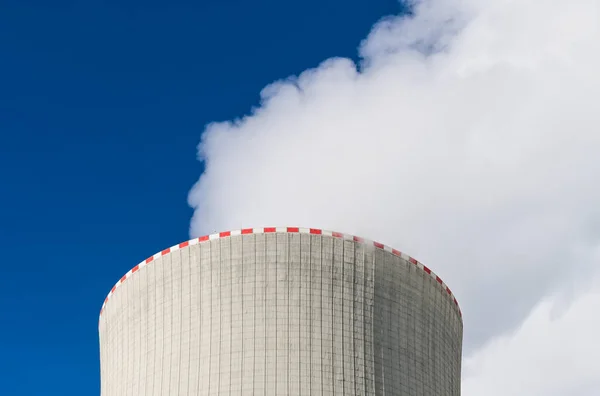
<point>469,137</point>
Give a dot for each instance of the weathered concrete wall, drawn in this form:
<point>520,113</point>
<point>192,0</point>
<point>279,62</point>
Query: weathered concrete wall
<point>280,314</point>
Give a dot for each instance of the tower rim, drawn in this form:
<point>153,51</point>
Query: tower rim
<point>283,230</point>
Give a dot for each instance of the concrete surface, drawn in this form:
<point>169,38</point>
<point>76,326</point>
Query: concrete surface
<point>280,314</point>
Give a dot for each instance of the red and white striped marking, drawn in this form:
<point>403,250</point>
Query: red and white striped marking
<point>267,230</point>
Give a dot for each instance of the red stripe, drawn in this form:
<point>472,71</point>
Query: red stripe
<point>437,278</point>
<point>203,238</point>
<point>378,245</point>
<point>105,300</point>
<point>123,278</point>
<point>426,269</point>
<point>167,250</point>
<point>134,269</point>
<point>455,302</point>
<point>315,231</point>
<point>358,239</point>
<point>247,231</point>
<point>224,234</point>
<point>270,229</point>
<point>448,290</point>
<point>412,260</point>
<point>337,234</point>
<point>183,244</point>
<point>293,229</point>
<point>149,259</point>
<point>113,289</point>
<point>396,252</point>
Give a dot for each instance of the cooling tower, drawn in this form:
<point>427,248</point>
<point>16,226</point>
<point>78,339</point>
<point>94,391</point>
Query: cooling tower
<point>280,311</point>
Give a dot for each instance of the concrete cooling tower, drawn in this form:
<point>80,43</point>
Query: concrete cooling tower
<point>280,311</point>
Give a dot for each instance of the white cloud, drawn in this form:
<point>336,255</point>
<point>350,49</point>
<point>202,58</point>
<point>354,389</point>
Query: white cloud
<point>468,137</point>
<point>550,355</point>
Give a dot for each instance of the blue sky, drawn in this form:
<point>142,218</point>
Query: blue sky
<point>102,104</point>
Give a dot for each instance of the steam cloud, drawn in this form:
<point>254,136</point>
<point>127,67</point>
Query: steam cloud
<point>468,136</point>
